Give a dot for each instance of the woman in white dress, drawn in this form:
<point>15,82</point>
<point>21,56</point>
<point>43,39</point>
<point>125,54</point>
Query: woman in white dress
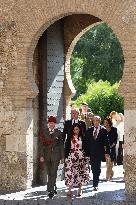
<point>120,130</point>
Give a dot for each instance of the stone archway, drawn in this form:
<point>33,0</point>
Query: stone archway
<point>30,20</point>
<point>77,31</point>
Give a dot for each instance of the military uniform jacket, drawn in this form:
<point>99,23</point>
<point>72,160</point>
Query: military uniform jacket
<point>51,145</point>
<point>87,118</point>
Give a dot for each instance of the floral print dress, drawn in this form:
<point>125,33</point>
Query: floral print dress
<point>76,165</point>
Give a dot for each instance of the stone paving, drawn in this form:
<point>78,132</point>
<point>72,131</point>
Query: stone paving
<point>109,193</point>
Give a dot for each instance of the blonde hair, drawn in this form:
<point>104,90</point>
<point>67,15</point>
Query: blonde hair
<point>113,113</point>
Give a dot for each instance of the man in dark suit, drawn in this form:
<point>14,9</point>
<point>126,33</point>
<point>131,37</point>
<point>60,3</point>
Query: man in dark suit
<point>98,148</point>
<point>51,152</point>
<point>74,119</point>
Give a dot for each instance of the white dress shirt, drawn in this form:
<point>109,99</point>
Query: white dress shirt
<point>74,121</point>
<point>51,131</point>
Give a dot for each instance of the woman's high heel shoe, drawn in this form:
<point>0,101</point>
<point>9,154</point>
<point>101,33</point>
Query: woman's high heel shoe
<point>79,193</point>
<point>69,194</point>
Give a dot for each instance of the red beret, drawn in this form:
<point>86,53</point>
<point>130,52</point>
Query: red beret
<point>52,119</point>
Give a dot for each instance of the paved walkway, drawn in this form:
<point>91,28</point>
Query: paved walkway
<point>109,193</point>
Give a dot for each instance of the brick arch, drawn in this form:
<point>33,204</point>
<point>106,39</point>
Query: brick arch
<point>34,18</point>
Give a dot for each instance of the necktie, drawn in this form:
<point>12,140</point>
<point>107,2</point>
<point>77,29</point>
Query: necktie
<point>95,133</point>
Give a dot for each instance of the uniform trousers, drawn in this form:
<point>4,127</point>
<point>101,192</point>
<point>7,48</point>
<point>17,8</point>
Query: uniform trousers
<point>52,168</point>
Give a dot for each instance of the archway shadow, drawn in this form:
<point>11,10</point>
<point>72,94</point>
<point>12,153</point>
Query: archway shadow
<point>108,193</point>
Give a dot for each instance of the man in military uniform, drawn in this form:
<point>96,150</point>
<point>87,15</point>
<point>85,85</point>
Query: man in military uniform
<point>52,151</point>
<point>86,114</point>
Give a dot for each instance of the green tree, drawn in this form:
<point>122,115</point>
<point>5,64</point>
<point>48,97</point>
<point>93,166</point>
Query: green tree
<point>76,73</point>
<point>97,55</point>
<point>102,98</point>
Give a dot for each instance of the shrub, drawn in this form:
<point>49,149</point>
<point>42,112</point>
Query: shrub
<point>102,98</point>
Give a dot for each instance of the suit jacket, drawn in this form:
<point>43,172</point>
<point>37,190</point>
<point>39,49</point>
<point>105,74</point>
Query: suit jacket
<point>51,145</point>
<point>99,147</point>
<point>68,126</point>
<point>112,135</point>
<point>112,138</point>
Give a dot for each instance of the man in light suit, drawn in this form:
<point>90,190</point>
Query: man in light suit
<point>51,153</point>
<point>98,148</point>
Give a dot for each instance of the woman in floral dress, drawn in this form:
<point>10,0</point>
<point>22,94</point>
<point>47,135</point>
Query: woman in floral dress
<point>76,161</point>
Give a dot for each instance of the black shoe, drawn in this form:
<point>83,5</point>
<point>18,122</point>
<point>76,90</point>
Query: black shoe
<point>95,189</point>
<point>115,163</point>
<point>51,194</point>
<point>119,163</point>
<point>55,191</point>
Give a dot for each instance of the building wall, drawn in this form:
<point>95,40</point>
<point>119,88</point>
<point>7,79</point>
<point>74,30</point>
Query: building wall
<point>22,24</point>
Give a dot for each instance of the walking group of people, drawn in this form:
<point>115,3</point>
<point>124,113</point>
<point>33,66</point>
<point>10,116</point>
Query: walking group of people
<point>84,143</point>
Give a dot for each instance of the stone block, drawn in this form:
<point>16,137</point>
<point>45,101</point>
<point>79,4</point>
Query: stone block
<point>12,143</point>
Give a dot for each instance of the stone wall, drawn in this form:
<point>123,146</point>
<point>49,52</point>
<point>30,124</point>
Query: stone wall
<point>22,24</point>
<point>13,163</point>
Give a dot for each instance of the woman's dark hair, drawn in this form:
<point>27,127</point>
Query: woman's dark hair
<point>108,119</point>
<point>80,130</point>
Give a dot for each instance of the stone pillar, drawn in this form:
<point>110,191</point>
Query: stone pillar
<point>130,151</point>
<point>128,91</point>
<point>16,145</point>
<point>16,120</point>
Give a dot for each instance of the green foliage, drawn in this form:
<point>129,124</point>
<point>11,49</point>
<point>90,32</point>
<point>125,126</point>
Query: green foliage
<point>97,55</point>
<point>76,73</point>
<point>102,98</point>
